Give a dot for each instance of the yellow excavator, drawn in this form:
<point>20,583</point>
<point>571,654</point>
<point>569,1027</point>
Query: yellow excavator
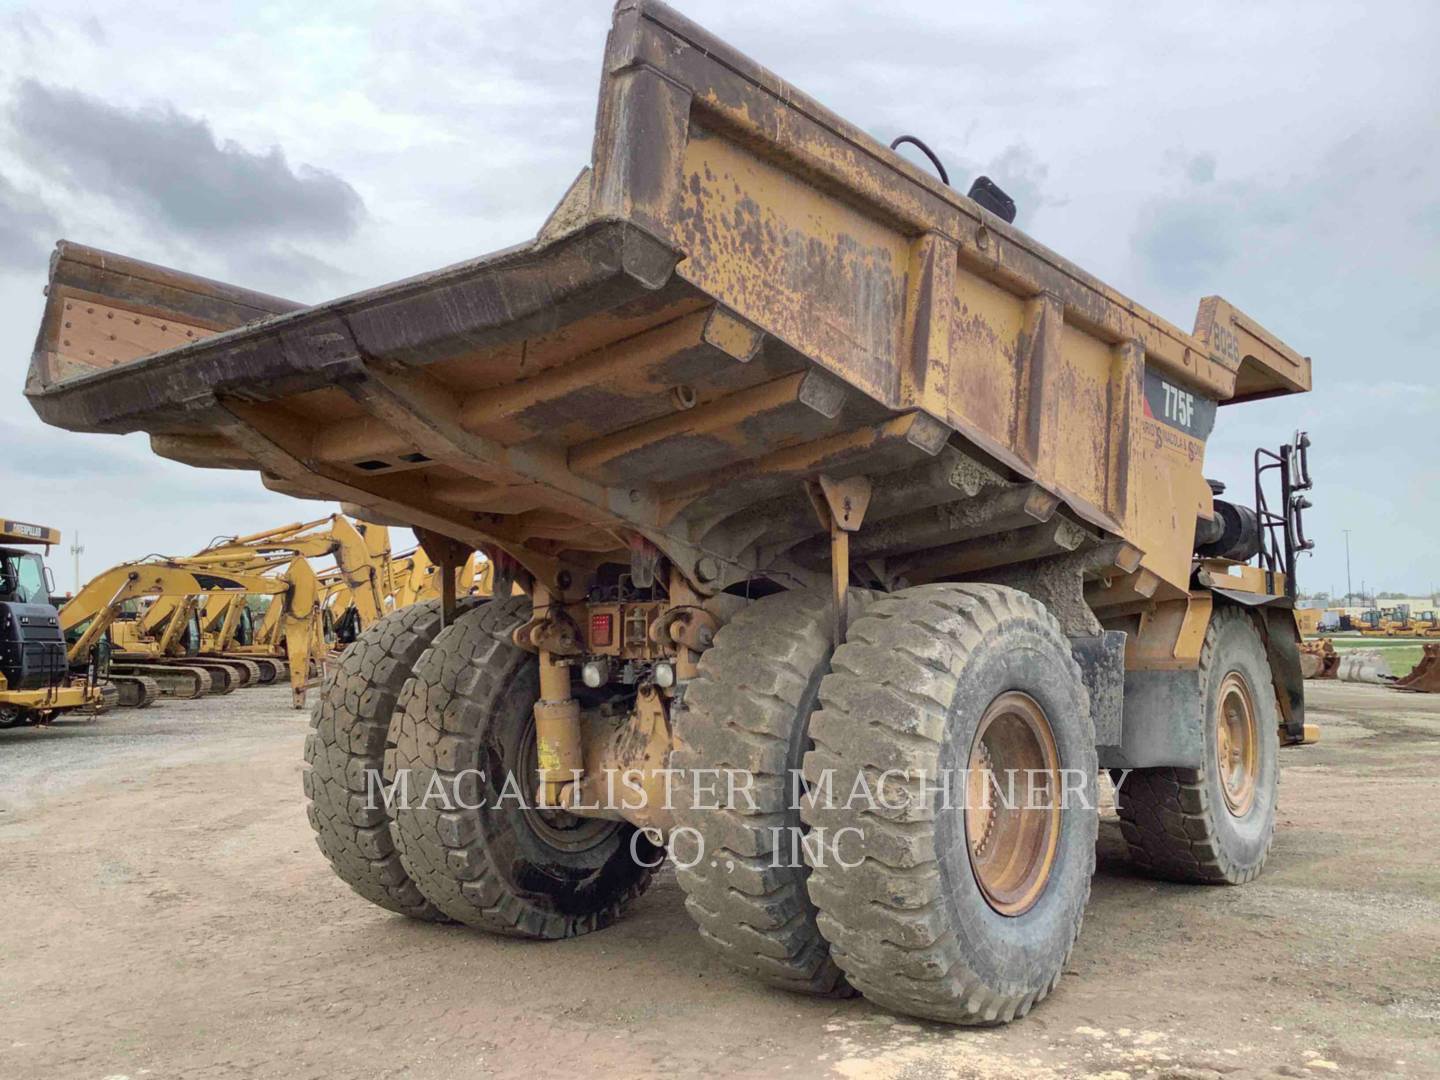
<point>97,607</point>
<point>218,630</point>
<point>147,645</point>
<point>361,551</point>
<point>36,683</point>
<point>173,626</point>
<point>416,578</point>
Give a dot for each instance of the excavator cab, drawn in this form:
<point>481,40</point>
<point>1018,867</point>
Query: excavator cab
<point>34,669</point>
<point>347,625</point>
<point>245,630</point>
<point>32,649</point>
<point>190,638</point>
<point>23,577</point>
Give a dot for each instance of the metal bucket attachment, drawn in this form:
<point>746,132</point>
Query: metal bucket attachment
<point>1424,678</point>
<point>1364,665</point>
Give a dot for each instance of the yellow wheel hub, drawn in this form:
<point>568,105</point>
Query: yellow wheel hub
<point>1237,744</point>
<point>1012,803</point>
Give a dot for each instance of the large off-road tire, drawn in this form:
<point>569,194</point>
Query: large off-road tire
<point>465,724</point>
<point>932,909</point>
<point>345,752</point>
<point>749,711</point>
<point>1214,825</point>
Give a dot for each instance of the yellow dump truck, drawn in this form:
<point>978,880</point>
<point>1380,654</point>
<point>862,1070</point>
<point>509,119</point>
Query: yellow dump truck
<point>815,472</point>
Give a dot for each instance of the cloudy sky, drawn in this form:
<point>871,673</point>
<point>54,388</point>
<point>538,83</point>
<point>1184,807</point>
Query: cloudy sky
<point>1285,155</point>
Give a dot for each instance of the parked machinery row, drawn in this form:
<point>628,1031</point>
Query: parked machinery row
<point>243,611</point>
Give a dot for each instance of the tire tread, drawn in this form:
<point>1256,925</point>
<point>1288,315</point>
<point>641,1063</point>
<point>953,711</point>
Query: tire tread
<point>885,917</point>
<point>347,740</point>
<point>1167,815</point>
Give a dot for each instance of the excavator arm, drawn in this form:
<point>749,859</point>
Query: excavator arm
<point>296,599</point>
<point>360,556</point>
<point>417,577</point>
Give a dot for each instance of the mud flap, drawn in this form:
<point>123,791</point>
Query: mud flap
<point>1102,668</point>
<point>1282,648</point>
<point>1163,722</point>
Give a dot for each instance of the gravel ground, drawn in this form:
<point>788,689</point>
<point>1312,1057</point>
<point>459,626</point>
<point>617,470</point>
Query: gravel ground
<point>168,915</point>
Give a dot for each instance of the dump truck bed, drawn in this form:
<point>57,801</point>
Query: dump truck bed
<point>741,293</point>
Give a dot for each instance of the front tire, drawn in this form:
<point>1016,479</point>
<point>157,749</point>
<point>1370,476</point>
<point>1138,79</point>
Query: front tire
<point>1214,825</point>
<point>941,901</point>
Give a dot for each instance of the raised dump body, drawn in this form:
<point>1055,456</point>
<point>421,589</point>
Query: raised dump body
<point>742,292</point>
<point>752,349</point>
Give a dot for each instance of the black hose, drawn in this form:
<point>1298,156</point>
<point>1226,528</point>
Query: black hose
<point>913,141</point>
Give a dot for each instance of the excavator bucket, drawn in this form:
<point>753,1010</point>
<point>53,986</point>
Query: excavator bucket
<point>1363,665</point>
<point>1424,678</point>
<point>1318,659</point>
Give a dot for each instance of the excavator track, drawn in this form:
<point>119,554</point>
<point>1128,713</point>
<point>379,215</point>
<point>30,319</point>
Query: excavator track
<point>173,680</point>
<point>223,679</point>
<point>267,669</point>
<point>133,691</point>
<point>243,672</point>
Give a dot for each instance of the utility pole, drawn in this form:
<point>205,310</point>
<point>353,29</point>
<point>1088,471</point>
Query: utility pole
<point>1349,589</point>
<point>77,549</point>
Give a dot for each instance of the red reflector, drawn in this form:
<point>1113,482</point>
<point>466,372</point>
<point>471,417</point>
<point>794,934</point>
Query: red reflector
<point>602,629</point>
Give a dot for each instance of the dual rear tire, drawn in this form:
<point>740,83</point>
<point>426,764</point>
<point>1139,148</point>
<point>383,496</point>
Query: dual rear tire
<point>467,831</point>
<point>856,862</point>
<point>946,892</point>
<point>421,757</point>
<point>345,758</point>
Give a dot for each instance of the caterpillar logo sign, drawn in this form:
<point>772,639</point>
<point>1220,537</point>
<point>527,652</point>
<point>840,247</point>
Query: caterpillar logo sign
<point>20,532</point>
<point>1179,408</point>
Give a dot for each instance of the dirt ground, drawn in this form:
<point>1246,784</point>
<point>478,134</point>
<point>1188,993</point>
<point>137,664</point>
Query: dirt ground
<point>167,914</point>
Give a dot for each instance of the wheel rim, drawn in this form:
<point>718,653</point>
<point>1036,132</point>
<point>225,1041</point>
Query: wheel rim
<point>1013,841</point>
<point>1237,744</point>
<point>560,829</point>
